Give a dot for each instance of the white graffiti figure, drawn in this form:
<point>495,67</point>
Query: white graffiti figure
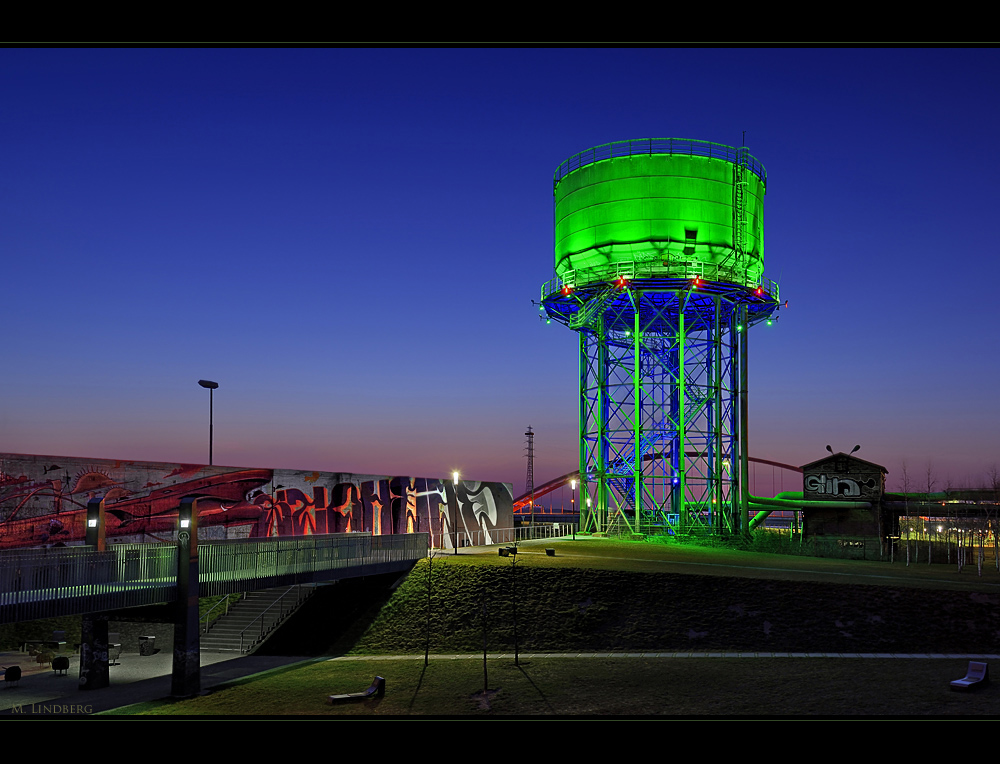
<point>834,486</point>
<point>484,506</point>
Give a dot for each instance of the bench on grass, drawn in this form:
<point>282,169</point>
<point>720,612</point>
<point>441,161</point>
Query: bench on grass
<point>978,675</point>
<point>376,690</point>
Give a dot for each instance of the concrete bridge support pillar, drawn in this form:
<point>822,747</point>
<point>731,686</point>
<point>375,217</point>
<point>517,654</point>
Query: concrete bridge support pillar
<point>186,678</point>
<point>94,674</point>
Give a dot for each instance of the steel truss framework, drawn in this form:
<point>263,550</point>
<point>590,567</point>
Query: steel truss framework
<point>662,401</point>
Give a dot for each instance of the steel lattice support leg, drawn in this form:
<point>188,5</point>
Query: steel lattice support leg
<point>663,409</point>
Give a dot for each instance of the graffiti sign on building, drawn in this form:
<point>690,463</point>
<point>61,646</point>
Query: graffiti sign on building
<point>835,485</point>
<point>43,502</point>
<point>842,476</point>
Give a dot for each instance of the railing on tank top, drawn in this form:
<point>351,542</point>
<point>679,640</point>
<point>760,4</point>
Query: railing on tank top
<point>638,269</point>
<point>672,146</point>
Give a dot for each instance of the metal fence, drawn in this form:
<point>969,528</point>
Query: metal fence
<point>44,583</point>
<point>501,535</point>
<point>238,565</point>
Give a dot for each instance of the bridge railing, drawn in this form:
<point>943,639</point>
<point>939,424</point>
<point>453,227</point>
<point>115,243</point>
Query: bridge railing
<point>37,583</point>
<point>237,565</point>
<point>45,583</point>
<point>502,535</point>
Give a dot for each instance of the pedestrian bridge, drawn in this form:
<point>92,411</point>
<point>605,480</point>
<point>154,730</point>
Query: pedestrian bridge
<point>46,583</point>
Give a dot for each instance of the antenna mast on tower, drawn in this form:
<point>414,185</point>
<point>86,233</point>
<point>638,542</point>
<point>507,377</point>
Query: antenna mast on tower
<point>529,480</point>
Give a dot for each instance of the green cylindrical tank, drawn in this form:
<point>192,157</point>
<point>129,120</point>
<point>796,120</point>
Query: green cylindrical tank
<point>660,208</point>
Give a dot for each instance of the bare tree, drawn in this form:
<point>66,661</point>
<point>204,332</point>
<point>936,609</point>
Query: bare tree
<point>427,644</point>
<point>993,478</point>
<point>905,480</point>
<point>930,483</point>
<point>513,598</point>
<point>948,486</point>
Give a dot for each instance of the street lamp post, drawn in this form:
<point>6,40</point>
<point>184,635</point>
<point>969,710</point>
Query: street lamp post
<point>455,510</point>
<point>211,387</point>
<point>572,505</point>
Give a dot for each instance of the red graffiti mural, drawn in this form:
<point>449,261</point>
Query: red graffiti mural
<point>43,502</point>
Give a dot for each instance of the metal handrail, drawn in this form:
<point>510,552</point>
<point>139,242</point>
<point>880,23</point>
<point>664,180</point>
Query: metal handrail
<point>279,601</point>
<point>223,601</point>
<point>648,146</point>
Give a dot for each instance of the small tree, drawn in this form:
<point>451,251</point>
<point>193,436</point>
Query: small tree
<point>930,483</point>
<point>993,478</point>
<point>427,645</point>
<point>905,480</point>
<point>513,598</point>
<point>486,676</point>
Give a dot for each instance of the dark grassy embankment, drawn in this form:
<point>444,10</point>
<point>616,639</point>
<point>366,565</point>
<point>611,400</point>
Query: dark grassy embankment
<point>614,597</point>
<point>562,609</point>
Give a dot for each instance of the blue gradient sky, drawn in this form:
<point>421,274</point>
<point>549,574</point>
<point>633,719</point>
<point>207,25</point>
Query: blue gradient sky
<point>348,242</point>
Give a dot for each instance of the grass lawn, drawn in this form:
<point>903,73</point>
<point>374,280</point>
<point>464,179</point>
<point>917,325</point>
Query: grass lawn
<point>602,595</point>
<point>622,687</point>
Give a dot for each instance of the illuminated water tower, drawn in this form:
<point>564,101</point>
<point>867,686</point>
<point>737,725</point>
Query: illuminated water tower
<point>659,262</point>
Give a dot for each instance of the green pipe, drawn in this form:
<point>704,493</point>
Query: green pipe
<point>793,500</point>
<point>782,495</point>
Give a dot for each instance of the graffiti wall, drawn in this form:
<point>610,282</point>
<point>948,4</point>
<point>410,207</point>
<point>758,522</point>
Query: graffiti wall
<point>43,502</point>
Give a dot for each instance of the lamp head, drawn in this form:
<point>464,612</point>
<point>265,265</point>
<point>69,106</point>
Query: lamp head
<point>208,384</point>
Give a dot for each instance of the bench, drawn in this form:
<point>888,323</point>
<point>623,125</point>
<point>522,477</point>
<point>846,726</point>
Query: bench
<point>376,690</point>
<point>115,648</point>
<point>12,675</point>
<point>978,675</point>
<point>60,665</point>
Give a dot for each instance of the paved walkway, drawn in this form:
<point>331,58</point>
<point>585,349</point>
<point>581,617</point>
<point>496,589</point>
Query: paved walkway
<point>527,656</point>
<point>139,679</point>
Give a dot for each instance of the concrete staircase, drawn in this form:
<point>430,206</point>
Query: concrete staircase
<point>251,620</point>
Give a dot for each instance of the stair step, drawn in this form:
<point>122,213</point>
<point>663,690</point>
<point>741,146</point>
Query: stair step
<point>244,618</point>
